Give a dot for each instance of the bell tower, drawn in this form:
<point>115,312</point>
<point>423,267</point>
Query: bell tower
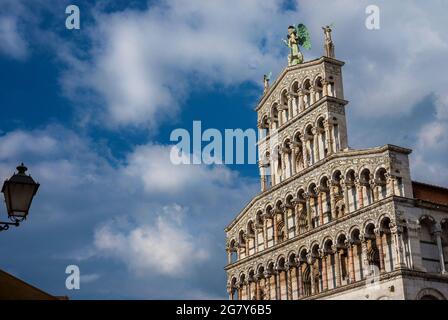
<point>301,117</point>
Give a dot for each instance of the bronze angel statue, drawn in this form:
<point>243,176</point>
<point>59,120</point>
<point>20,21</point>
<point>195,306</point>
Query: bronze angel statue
<point>297,36</point>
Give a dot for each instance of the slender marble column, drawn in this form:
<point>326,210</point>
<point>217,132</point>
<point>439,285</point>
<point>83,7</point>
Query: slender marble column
<point>337,265</point>
<point>351,261</point>
<point>438,234</point>
<point>379,243</point>
<point>299,280</point>
<point>360,187</point>
<point>320,207</point>
<point>324,272</point>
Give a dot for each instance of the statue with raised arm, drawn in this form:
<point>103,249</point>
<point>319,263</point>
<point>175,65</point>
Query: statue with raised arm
<point>266,79</point>
<point>297,36</point>
<point>329,46</point>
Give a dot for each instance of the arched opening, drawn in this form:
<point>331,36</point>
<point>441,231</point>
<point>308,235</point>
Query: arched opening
<point>281,268</point>
<point>366,195</point>
<point>305,274</point>
<point>335,134</point>
<point>264,126</point>
<point>373,252</point>
<point>318,88</point>
<point>307,93</point>
<point>292,282</point>
<point>252,285</point>
<point>321,139</point>
<point>233,251</point>
<point>287,154</point>
<point>343,259</point>
<point>430,294</point>
<point>428,245</point>
<point>331,87</point>
<point>387,244</point>
<point>274,117</point>
<point>330,263</point>
<point>242,292</point>
<point>381,184</point>
<point>316,271</point>
<point>357,263</point>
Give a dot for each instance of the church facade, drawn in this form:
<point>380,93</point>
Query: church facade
<point>332,222</point>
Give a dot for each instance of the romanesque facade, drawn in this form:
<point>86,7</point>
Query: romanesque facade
<point>332,222</point>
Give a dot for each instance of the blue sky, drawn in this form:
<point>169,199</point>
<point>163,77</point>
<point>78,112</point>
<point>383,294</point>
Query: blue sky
<point>90,112</point>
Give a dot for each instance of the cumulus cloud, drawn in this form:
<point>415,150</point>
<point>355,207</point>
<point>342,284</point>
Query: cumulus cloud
<point>165,248</point>
<point>144,63</point>
<point>151,164</point>
<point>93,209</point>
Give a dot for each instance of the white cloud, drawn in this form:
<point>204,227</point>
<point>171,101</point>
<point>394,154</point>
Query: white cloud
<point>151,165</point>
<point>153,217</point>
<point>144,64</point>
<point>12,42</point>
<point>164,248</point>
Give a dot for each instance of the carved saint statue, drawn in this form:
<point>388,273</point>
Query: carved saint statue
<point>329,46</point>
<point>266,79</point>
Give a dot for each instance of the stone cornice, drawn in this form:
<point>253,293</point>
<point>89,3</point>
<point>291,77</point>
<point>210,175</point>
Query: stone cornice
<point>338,155</point>
<point>306,64</point>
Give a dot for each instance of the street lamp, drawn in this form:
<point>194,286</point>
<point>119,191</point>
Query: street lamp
<point>19,191</point>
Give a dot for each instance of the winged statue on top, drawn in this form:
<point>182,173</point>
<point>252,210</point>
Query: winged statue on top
<point>297,36</point>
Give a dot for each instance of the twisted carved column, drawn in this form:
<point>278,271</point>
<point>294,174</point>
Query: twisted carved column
<point>267,277</point>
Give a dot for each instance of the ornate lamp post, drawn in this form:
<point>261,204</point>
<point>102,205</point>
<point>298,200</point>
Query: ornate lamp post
<point>19,191</point>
